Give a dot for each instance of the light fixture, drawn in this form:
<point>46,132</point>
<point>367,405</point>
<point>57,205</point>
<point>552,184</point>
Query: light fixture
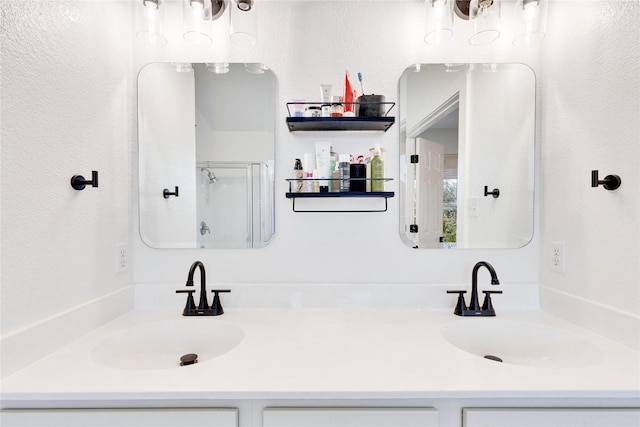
<point>150,21</point>
<point>489,68</point>
<point>242,29</point>
<point>486,18</point>
<point>529,20</point>
<point>196,19</point>
<point>183,67</point>
<point>244,5</point>
<point>255,68</point>
<point>439,19</point>
<point>218,67</point>
<point>454,67</point>
<point>531,17</point>
<point>217,9</point>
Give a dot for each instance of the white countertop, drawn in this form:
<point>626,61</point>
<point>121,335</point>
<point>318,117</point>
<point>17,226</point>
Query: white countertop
<point>326,354</point>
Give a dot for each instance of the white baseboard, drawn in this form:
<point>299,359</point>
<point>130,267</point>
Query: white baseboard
<point>30,344</point>
<point>616,325</point>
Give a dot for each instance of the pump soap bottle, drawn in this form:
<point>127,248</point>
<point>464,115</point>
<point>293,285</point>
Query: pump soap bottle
<point>298,174</point>
<point>377,171</point>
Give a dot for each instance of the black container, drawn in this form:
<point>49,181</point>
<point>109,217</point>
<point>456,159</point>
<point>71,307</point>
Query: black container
<point>358,170</point>
<point>371,106</point>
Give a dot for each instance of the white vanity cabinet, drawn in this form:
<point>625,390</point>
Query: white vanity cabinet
<point>222,417</point>
<point>350,417</point>
<point>548,417</point>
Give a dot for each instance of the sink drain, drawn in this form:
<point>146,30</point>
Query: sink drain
<point>188,359</point>
<point>492,357</point>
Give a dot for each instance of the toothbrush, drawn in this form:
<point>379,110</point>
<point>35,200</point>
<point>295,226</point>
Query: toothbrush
<point>360,80</point>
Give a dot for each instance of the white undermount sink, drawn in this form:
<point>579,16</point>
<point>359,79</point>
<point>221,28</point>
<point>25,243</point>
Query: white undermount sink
<point>161,344</point>
<point>521,343</point>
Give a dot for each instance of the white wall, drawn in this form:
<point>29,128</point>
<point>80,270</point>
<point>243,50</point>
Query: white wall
<point>67,106</point>
<point>591,92</point>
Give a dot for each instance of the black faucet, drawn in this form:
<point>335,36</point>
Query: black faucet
<point>203,304</point>
<point>474,308</point>
<point>203,308</point>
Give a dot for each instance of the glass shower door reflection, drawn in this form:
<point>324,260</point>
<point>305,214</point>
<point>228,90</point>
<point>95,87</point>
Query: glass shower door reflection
<point>226,214</point>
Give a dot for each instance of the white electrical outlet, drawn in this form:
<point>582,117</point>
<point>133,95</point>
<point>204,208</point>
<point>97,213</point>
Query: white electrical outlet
<point>122,258</point>
<point>474,206</point>
<point>557,257</point>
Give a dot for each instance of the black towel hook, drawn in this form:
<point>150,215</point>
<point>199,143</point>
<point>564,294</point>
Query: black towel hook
<point>79,183</point>
<point>166,193</point>
<point>495,193</point>
<point>610,182</point>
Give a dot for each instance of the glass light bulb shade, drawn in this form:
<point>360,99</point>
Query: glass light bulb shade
<point>243,26</point>
<point>150,18</point>
<point>486,21</point>
<point>439,21</point>
<point>244,5</point>
<point>218,67</point>
<point>183,67</point>
<point>454,67</point>
<point>530,21</point>
<point>196,20</point>
<point>255,68</point>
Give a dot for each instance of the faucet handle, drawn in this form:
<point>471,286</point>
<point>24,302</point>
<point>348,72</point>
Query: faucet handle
<point>216,306</point>
<point>487,305</point>
<point>461,305</point>
<point>191,304</point>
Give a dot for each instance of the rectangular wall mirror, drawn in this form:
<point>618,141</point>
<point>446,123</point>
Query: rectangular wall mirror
<point>467,135</point>
<point>206,132</point>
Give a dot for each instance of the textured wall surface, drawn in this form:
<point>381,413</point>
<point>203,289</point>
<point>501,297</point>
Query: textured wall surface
<point>590,110</point>
<point>66,109</point>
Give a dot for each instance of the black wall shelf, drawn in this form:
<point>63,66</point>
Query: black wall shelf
<point>381,123</point>
<point>339,123</point>
<point>335,194</point>
<point>339,194</point>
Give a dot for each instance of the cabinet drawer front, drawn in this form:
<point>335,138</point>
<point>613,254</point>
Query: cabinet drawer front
<point>222,417</point>
<point>551,417</point>
<point>350,417</point>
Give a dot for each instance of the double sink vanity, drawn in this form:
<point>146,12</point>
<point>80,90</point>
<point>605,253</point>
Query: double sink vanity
<point>326,366</point>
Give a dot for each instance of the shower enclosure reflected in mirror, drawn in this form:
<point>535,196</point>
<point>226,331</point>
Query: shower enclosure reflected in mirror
<point>207,129</point>
<point>467,136</point>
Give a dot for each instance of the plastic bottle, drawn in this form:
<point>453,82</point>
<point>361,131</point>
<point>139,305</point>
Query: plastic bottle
<point>343,172</point>
<point>298,174</point>
<point>333,168</point>
<point>377,171</point>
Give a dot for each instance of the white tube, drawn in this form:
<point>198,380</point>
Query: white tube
<point>323,162</point>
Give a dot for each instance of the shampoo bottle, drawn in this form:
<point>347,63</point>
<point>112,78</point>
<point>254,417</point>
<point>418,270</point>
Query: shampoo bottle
<point>344,165</point>
<point>377,171</point>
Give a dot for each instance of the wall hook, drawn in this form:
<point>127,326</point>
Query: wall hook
<point>166,193</point>
<point>610,182</point>
<point>79,183</point>
<point>495,193</point>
